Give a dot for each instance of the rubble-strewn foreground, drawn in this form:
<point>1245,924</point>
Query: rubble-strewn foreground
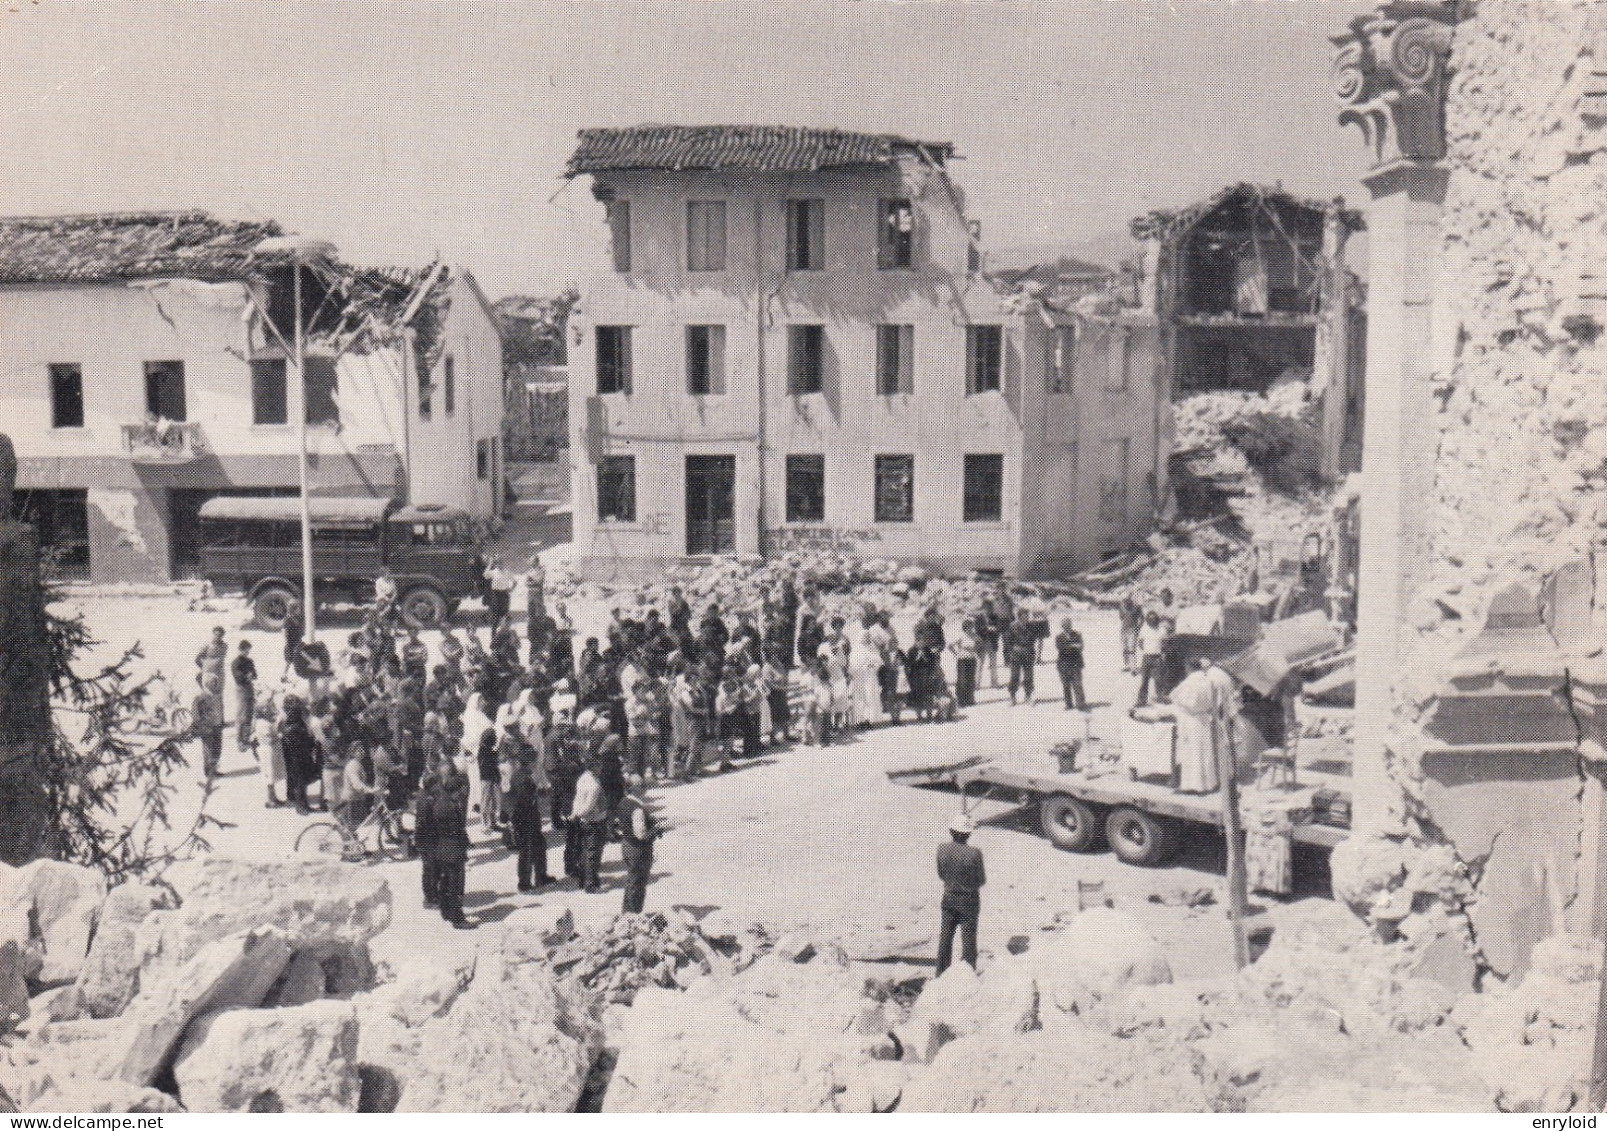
<point>255,992</point>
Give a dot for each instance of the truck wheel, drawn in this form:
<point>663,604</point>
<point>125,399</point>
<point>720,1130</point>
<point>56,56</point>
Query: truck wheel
<point>424,608</point>
<point>1138,837</point>
<point>271,607</point>
<point>1069,823</point>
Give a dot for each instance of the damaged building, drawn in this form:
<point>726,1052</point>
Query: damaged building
<point>148,370</point>
<point>797,346</point>
<point>1480,683</point>
<point>1251,290</point>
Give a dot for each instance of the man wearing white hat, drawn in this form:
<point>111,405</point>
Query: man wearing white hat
<point>959,866</point>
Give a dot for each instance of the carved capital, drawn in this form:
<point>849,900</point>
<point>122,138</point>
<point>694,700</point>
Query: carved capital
<point>1389,75</point>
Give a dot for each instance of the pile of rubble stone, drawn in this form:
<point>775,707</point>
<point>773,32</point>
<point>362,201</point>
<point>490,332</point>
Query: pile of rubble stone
<point>1088,1018</point>
<point>256,993</point>
<point>634,951</point>
<point>1210,557</point>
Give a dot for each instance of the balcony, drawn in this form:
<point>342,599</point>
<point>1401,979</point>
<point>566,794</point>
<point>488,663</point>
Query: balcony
<point>163,442</point>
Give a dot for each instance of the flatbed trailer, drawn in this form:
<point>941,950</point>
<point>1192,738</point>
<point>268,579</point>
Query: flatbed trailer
<point>1080,812</point>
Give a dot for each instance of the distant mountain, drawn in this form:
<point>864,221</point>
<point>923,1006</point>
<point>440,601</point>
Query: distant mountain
<point>1107,250</point>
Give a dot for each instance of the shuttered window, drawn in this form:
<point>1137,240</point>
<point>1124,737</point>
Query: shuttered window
<point>806,235</point>
<point>613,359</point>
<point>806,488</point>
<point>806,359</point>
<point>705,235</point>
<point>984,359</point>
<point>895,360</point>
<point>705,360</point>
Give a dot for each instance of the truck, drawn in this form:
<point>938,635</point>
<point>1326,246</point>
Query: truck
<point>252,546</point>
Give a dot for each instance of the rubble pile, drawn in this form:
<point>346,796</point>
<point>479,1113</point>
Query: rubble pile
<point>1087,1019</point>
<point>1228,504</point>
<point>635,951</point>
<point>742,583</point>
<point>255,992</point>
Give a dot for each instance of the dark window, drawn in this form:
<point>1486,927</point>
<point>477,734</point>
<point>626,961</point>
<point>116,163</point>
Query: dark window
<point>705,235</point>
<point>482,459</point>
<point>164,390</point>
<point>449,384</point>
<point>984,358</point>
<point>619,227</point>
<point>616,489</point>
<point>321,382</point>
<point>1061,371</point>
<point>61,521</point>
<point>984,488</point>
<point>895,240</point>
<point>895,488</point>
<point>806,235</point>
<point>806,350</point>
<point>895,359</point>
<point>426,386</point>
<point>269,391</point>
<point>613,359</point>
<point>66,396</point>
<point>806,488</point>
<point>705,360</point>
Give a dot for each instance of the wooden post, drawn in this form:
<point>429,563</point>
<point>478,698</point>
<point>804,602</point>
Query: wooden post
<point>1598,1057</point>
<point>1238,883</point>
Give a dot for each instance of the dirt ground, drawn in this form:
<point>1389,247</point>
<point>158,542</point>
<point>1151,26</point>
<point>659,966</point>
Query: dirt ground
<point>806,838</point>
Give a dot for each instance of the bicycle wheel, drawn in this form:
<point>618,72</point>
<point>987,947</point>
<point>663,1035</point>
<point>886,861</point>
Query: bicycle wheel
<point>322,838</point>
<point>388,837</point>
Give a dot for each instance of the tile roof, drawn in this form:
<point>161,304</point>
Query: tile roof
<point>1169,224</point>
<point>758,149</point>
<point>126,245</point>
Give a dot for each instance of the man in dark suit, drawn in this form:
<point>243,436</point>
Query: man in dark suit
<point>451,811</point>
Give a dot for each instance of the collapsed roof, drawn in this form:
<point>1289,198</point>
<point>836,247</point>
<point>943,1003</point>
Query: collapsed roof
<point>1168,225</point>
<point>755,149</point>
<point>345,307</point>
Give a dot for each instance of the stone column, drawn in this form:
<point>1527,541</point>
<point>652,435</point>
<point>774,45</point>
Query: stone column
<point>1333,341</point>
<point>1389,75</point>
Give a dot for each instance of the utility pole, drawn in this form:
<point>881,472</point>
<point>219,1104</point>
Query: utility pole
<point>308,604</point>
<point>1233,831</point>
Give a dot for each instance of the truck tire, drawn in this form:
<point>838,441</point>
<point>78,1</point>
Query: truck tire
<point>1069,822</point>
<point>424,607</point>
<point>1138,837</point>
<point>270,608</point>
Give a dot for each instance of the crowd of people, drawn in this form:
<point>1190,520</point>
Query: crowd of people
<point>524,734</point>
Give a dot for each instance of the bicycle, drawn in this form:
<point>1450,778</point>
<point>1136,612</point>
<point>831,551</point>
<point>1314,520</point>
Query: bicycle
<point>382,835</point>
<point>165,712</point>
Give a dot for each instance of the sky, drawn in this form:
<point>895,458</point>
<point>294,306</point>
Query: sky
<point>406,131</point>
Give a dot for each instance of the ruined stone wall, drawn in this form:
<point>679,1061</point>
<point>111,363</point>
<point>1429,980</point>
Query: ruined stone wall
<point>1516,456</point>
<point>1521,436</point>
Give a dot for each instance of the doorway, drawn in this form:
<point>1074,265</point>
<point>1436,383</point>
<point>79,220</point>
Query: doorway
<point>711,504</point>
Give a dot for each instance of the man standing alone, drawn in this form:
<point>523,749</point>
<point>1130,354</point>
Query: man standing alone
<point>637,832</point>
<point>1069,663</point>
<point>1021,652</point>
<point>206,722</point>
<point>959,866</point>
<point>244,670</point>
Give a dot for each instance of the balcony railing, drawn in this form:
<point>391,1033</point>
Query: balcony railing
<point>163,441</point>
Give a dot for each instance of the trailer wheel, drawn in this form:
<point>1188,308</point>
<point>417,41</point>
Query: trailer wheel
<point>424,607</point>
<point>271,607</point>
<point>1070,823</point>
<point>1138,837</point>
